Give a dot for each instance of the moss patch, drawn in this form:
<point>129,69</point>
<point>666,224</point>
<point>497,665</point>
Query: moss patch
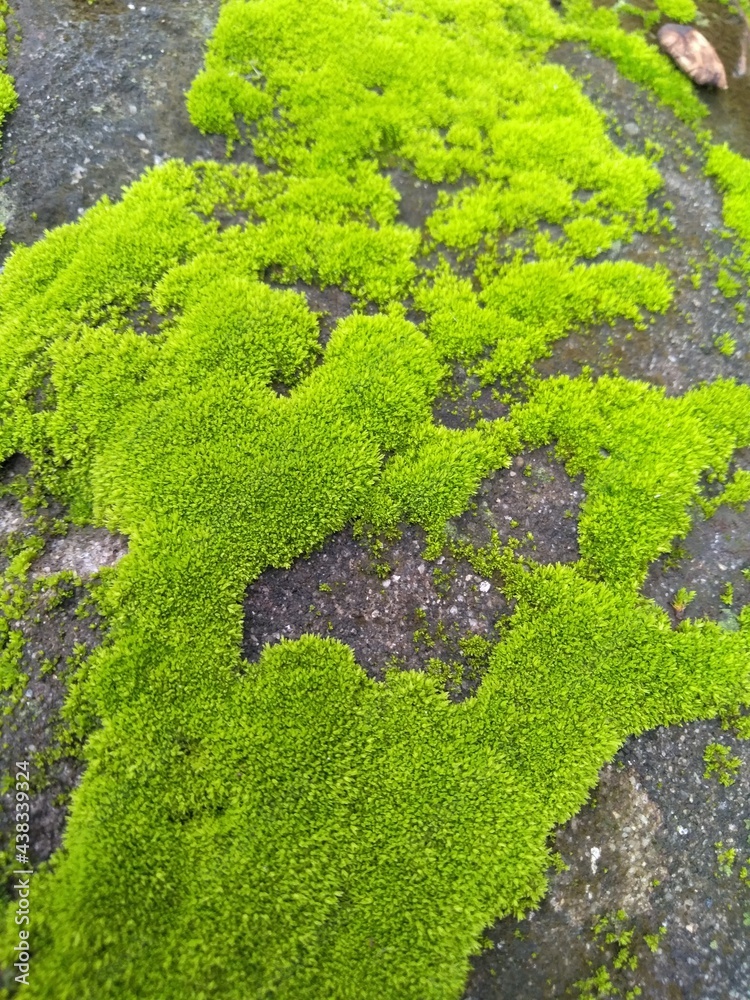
<point>290,828</point>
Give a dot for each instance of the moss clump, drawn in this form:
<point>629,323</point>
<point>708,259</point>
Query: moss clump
<point>727,285</point>
<point>683,11</point>
<point>732,173</point>
<point>291,827</point>
<point>726,344</point>
<point>719,761</point>
<point>525,307</point>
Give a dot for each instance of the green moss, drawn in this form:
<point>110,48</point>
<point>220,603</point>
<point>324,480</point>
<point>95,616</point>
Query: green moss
<point>719,761</point>
<point>736,493</point>
<point>727,285</point>
<point>732,173</point>
<point>527,306</point>
<point>726,344</point>
<point>636,58</point>
<point>683,11</point>
<point>290,827</point>
<point>682,598</point>
<point>608,427</point>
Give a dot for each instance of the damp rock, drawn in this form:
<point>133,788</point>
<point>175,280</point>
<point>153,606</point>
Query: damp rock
<point>693,54</point>
<point>85,551</point>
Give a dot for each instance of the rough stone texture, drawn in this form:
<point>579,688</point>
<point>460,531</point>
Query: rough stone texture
<point>393,607</point>
<point>404,615</point>
<point>59,626</point>
<point>11,518</point>
<point>677,349</point>
<point>714,554</point>
<point>83,550</point>
<point>101,92</point>
<point>55,635</point>
<point>726,29</point>
<point>646,845</point>
<point>534,501</point>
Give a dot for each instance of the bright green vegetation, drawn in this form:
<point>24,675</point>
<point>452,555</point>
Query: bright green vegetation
<point>732,173</point>
<point>622,948</point>
<point>726,344</point>
<point>8,97</point>
<point>727,285</point>
<point>719,761</point>
<point>634,56</point>
<point>736,493</point>
<point>291,828</point>
<point>725,859</point>
<point>740,724</point>
<point>682,598</point>
<point>683,11</point>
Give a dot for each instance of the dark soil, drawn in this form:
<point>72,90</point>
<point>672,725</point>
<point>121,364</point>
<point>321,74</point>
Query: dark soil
<point>723,26</point>
<point>677,349</point>
<point>714,554</point>
<point>331,304</point>
<point>535,502</point>
<point>57,639</point>
<point>394,609</point>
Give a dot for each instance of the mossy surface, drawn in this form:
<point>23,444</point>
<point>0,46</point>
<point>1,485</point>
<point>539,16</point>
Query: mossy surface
<point>291,828</point>
<point>682,11</point>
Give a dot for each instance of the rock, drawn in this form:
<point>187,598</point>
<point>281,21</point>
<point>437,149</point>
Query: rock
<point>694,54</point>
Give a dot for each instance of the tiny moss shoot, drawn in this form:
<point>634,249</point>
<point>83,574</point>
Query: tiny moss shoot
<point>726,344</point>
<point>719,761</point>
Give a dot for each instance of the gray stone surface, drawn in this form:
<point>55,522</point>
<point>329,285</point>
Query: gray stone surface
<point>646,844</point>
<point>101,91</point>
